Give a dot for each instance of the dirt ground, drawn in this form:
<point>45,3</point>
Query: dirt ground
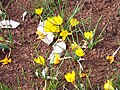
<point>24,37</point>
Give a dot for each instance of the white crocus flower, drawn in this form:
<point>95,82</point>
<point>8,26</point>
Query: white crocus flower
<point>58,48</point>
<point>9,24</point>
<point>49,36</point>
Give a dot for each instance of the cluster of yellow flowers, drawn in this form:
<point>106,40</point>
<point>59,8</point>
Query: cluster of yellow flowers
<point>41,61</point>
<point>54,24</point>
<point>70,77</point>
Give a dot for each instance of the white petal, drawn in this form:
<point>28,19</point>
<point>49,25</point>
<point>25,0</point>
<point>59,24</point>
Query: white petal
<point>58,48</point>
<point>44,72</point>
<point>23,16</point>
<point>48,39</point>
<point>49,36</point>
<point>1,12</point>
<point>40,27</point>
<point>36,73</point>
<point>53,78</point>
<point>116,52</point>
<point>9,24</point>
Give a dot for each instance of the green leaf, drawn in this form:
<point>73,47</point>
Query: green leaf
<point>9,36</point>
<point>3,46</point>
<point>3,87</point>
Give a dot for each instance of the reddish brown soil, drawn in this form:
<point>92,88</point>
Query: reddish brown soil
<point>25,38</point>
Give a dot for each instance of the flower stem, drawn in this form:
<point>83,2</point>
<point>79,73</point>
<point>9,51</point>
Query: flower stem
<point>115,52</point>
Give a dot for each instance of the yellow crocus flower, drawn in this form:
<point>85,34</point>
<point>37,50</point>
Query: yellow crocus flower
<point>64,34</point>
<point>58,20</point>
<point>73,22</point>
<point>49,21</point>
<point>40,60</point>
<point>108,85</point>
<point>57,59</point>
<point>88,35</point>
<point>70,77</point>
<point>50,26</point>
<point>74,46</point>
<point>6,60</point>
<point>79,52</point>
<point>39,11</point>
<point>110,59</point>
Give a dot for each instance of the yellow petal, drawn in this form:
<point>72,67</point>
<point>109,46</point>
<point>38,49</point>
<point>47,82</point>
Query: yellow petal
<point>40,60</point>
<point>55,28</point>
<point>108,85</point>
<point>10,60</point>
<point>36,60</point>
<point>73,22</point>
<point>39,11</point>
<point>73,74</point>
<point>40,35</point>
<point>5,60</point>
<point>56,59</point>
<point>63,38</point>
<point>64,34</point>
<point>88,35</point>
<point>79,52</point>
<point>110,59</point>
<point>74,46</point>
<point>51,25</point>
<point>70,77</point>
<point>58,20</point>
